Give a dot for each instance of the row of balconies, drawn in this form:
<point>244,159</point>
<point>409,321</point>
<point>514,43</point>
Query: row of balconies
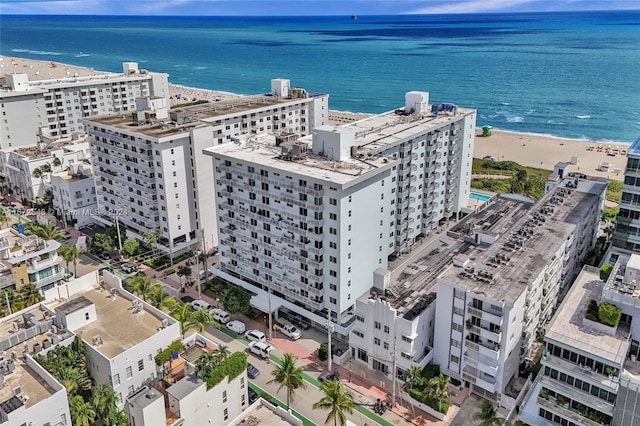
<point>277,181</point>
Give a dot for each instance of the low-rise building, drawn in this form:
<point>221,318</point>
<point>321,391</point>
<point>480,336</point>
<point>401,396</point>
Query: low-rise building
<point>74,195</point>
<point>31,259</point>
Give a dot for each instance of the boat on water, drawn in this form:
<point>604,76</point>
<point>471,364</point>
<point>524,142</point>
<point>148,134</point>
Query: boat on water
<point>354,17</point>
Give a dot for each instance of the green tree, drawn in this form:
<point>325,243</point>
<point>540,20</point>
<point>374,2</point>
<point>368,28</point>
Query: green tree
<point>47,231</point>
<point>184,271</point>
<point>70,254</point>
<point>338,400</point>
<point>101,242</point>
<point>289,376</point>
<point>182,313</point>
<point>130,247</point>
<point>414,378</point>
<point>57,162</point>
<point>112,232</point>
<point>46,168</point>
<point>202,258</point>
<point>236,300</point>
<point>161,299</point>
<point>4,217</point>
<point>29,295</point>
<point>605,271</point>
<point>439,392</point>
<point>518,182</point>
<point>202,319</point>
<point>488,415</point>
<point>81,412</point>
<point>143,286</point>
<point>152,238</point>
<point>103,399</point>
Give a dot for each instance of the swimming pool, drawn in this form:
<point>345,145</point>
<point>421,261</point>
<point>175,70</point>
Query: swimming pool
<point>479,197</point>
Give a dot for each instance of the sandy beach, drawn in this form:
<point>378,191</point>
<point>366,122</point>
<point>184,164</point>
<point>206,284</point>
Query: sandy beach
<point>527,149</point>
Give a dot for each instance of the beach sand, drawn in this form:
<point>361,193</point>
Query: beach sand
<point>527,149</point>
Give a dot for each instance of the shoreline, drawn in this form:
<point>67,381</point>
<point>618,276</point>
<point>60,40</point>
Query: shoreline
<point>526,148</point>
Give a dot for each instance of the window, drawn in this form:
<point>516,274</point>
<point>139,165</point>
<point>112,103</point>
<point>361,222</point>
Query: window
<point>377,325</point>
<point>129,390</point>
<point>385,345</point>
<point>226,413</point>
<point>129,372</point>
<point>224,397</point>
<point>241,382</point>
<point>116,379</point>
<point>376,341</point>
<point>333,201</point>
<point>141,365</point>
<point>386,329</point>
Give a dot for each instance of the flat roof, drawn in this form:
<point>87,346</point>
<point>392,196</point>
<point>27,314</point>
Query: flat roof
<point>30,383</point>
<point>262,415</point>
<point>30,245</point>
<point>33,152</point>
<point>194,116</point>
<point>184,386</point>
<point>7,327</point>
<point>567,325</point>
<point>117,324</point>
<point>74,305</point>
<point>525,240</point>
<point>261,150</point>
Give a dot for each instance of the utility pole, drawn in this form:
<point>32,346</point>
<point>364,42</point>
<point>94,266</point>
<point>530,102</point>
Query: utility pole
<point>329,331</point>
<point>270,317</point>
<point>393,354</point>
<point>6,297</point>
<point>118,231</point>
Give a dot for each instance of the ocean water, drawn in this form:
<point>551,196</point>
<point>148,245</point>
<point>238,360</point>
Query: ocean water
<point>564,74</point>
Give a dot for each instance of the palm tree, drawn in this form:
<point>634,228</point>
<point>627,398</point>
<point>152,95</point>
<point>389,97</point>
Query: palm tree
<point>289,376</point>
<point>222,353</point>
<point>488,415</point>
<point>414,378</point>
<point>143,286</point>
<point>29,295</point>
<point>202,319</point>
<point>47,231</point>
<point>4,217</point>
<point>439,391</point>
<point>161,299</point>
<point>205,366</point>
<point>72,379</point>
<point>182,314</point>
<point>152,238</point>
<point>46,168</point>
<point>70,253</point>
<point>103,399</point>
<point>57,162</point>
<point>202,258</point>
<point>81,412</point>
<point>338,400</point>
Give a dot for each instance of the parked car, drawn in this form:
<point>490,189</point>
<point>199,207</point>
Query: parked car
<point>192,261</point>
<point>253,396</point>
<point>327,377</point>
<point>213,251</point>
<point>236,326</point>
<point>104,256</point>
<point>128,268</point>
<point>199,304</point>
<point>255,336</point>
<point>289,330</point>
<point>489,157</point>
<point>260,349</point>
<point>220,315</point>
<point>252,371</point>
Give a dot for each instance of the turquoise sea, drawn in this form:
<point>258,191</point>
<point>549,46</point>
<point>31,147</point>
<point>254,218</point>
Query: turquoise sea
<point>564,74</point>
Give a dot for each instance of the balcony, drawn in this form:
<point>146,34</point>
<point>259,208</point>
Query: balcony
<point>491,316</point>
<point>486,333</point>
<point>566,412</point>
<point>487,366</point>
<point>484,349</point>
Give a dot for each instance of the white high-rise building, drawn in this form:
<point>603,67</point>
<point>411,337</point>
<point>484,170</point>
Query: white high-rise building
<point>493,298</point>
<point>74,195</point>
<point>311,219</point>
<point>38,106</point>
<point>150,171</point>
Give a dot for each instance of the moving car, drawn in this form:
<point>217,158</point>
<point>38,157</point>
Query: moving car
<point>252,371</point>
<point>327,377</point>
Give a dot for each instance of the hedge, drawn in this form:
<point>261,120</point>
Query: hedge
<point>232,367</point>
<point>165,355</point>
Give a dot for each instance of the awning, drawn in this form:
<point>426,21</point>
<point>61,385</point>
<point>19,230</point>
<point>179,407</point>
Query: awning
<point>261,303</point>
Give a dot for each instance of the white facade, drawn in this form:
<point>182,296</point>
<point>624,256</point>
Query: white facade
<point>18,164</point>
<point>492,300</point>
<point>74,194</point>
<point>53,108</point>
<point>311,219</point>
<point>121,334</point>
<point>627,233</point>
<point>158,166</point>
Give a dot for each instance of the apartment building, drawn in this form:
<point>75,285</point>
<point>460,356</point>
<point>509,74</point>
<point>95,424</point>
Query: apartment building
<point>188,401</point>
<point>148,166</point>
<point>74,195</point>
<point>121,334</point>
<point>304,222</point>
<point>31,260</point>
<point>18,165</point>
<point>627,232</point>
<point>496,294</point>
<point>28,393</point>
<point>49,106</point>
<point>591,374</point>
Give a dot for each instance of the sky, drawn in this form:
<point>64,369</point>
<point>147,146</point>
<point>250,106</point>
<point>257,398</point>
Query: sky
<point>301,7</point>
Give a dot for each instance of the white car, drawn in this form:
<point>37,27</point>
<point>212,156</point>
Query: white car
<point>260,349</point>
<point>290,330</point>
<point>220,315</point>
<point>199,304</point>
<point>236,326</point>
<point>255,336</point>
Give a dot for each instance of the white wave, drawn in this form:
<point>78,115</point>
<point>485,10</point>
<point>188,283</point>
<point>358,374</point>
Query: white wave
<point>583,117</point>
<point>515,119</point>
<point>560,123</point>
<point>36,52</point>
<point>506,103</point>
<point>81,55</point>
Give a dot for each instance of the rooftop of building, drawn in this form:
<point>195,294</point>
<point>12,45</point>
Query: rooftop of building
<point>185,118</point>
<point>261,413</point>
<point>44,150</point>
<point>14,325</point>
<point>377,133</point>
<point>634,149</point>
<point>262,150</point>
<point>526,238</point>
<point>23,247</point>
<point>119,324</point>
<point>618,283</point>
<point>23,386</point>
<point>567,325</point>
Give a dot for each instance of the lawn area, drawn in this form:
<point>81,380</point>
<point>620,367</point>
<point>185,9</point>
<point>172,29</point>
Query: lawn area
<point>528,181</point>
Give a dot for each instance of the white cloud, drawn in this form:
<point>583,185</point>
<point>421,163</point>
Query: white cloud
<point>473,6</point>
